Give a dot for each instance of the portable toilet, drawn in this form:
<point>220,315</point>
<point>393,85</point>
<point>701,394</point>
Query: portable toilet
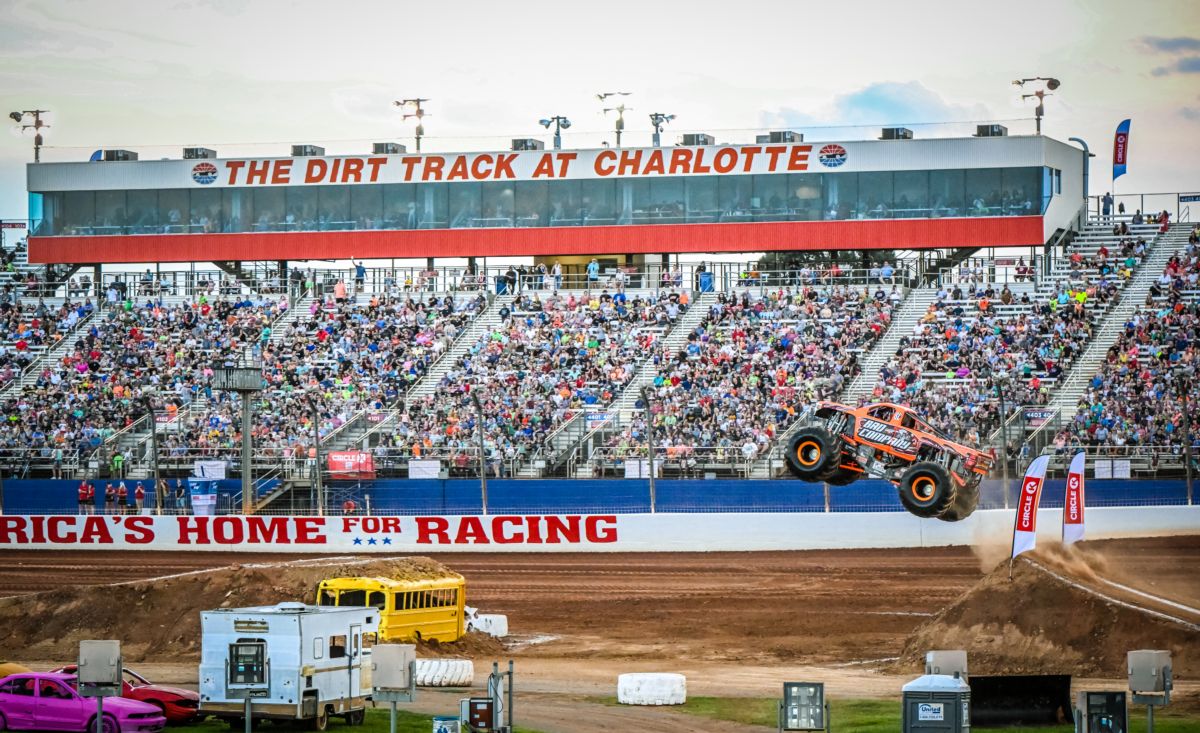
<point>936,702</point>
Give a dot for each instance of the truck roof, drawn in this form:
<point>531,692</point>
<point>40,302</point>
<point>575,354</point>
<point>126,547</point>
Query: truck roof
<point>291,608</point>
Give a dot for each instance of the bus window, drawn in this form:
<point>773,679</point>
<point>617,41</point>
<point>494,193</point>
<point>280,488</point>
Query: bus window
<point>353,598</point>
<point>327,598</point>
<point>377,599</point>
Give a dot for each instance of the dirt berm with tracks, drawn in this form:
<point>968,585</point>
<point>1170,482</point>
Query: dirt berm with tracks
<point>1056,616</point>
<point>160,618</point>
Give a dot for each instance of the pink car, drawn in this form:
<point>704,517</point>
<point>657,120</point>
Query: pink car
<point>49,701</point>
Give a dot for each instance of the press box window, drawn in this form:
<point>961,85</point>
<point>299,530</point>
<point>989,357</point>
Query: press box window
<point>248,663</point>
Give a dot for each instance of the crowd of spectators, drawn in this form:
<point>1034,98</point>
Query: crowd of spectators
<point>970,345</point>
<point>551,357</point>
<point>754,362</point>
<point>1134,399</point>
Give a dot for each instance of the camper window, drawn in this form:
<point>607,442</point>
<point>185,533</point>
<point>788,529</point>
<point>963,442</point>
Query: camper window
<point>337,647</point>
<point>378,599</point>
<point>319,647</point>
<point>354,645</point>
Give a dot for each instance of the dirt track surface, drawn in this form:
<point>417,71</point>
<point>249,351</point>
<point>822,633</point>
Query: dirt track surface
<point>736,624</point>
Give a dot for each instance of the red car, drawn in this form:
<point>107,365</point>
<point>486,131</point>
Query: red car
<point>179,705</point>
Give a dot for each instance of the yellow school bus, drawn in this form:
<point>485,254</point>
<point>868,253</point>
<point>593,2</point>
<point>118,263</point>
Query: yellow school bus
<point>409,609</point>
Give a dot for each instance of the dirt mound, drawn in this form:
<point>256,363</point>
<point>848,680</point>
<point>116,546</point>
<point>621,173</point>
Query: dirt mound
<point>159,619</point>
<point>1054,617</point>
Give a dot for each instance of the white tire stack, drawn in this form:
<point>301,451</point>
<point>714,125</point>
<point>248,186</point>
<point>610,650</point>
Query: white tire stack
<point>445,672</point>
<point>651,688</point>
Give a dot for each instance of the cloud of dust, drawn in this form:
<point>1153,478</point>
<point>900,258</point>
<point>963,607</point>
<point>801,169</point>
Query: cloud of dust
<point>992,545</point>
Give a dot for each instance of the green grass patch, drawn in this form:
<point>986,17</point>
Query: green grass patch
<point>376,722</point>
<point>883,716</point>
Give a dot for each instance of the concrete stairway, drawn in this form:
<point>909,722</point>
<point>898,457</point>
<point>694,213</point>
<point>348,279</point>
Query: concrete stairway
<point>907,316</point>
<point>52,355</point>
<point>1069,390</point>
<point>905,320</point>
<point>575,430</point>
<point>351,435</point>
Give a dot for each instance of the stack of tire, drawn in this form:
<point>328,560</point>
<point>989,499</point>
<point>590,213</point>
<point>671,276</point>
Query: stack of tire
<point>926,488</point>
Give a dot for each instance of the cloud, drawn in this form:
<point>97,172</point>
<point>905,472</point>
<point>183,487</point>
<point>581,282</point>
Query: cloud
<point>1178,44</point>
<point>1190,113</point>
<point>1185,65</point>
<point>885,103</point>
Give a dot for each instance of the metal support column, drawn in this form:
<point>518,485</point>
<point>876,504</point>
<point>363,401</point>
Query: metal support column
<point>247,479</point>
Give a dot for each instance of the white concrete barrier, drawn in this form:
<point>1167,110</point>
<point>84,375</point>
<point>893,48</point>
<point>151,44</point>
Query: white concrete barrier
<point>651,688</point>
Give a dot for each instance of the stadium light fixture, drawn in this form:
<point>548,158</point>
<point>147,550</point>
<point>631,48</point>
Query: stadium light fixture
<point>414,111</point>
<point>620,109</point>
<point>37,125</point>
<point>658,119</point>
<point>1050,83</point>
<point>560,123</point>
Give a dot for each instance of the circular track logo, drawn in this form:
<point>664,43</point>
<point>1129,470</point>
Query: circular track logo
<point>204,173</point>
<point>832,156</point>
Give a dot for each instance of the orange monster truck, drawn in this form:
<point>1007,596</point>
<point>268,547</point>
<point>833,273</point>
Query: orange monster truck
<point>935,476</point>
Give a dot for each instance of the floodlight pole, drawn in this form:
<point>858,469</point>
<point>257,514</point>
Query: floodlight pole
<point>247,458</point>
<point>483,496</point>
<point>1182,382</point>
<point>159,499</point>
<point>320,486</point>
<point>649,444</point>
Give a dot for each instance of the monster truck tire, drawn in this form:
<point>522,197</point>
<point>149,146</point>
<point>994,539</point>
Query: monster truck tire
<point>842,477</point>
<point>965,501</point>
<point>926,489</point>
<point>813,453</point>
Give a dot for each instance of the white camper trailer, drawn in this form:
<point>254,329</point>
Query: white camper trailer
<point>292,661</point>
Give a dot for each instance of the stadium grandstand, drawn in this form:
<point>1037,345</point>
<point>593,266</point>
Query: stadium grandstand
<point>695,298</point>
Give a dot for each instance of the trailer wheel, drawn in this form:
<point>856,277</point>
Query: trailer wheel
<point>356,717</point>
<point>321,722</point>
<point>812,453</point>
<point>965,501</point>
<point>926,489</point>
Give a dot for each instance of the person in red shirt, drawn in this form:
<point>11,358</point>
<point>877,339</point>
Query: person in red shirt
<point>349,507</point>
<point>139,496</point>
<point>85,494</point>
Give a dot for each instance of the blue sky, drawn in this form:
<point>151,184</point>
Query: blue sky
<point>252,77</point>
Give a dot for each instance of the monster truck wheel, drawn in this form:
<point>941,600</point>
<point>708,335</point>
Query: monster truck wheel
<point>965,501</point>
<point>926,489</point>
<point>842,477</point>
<point>812,453</point>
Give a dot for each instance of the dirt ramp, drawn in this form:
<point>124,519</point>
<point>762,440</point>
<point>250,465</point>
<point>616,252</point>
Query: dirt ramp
<point>160,618</point>
<point>1056,616</point>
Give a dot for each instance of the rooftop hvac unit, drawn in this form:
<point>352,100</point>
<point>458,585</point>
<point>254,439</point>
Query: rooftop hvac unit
<point>527,143</point>
<point>780,136</point>
<point>120,156</point>
<point>307,151</point>
<point>698,138</point>
<point>198,153</point>
<point>991,131</point>
<point>388,149</point>
<point>896,133</point>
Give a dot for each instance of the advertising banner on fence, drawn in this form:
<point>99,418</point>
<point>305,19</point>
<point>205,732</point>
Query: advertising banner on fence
<point>1072,530</point>
<point>1025,526</point>
<point>351,464</point>
<point>662,532</point>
